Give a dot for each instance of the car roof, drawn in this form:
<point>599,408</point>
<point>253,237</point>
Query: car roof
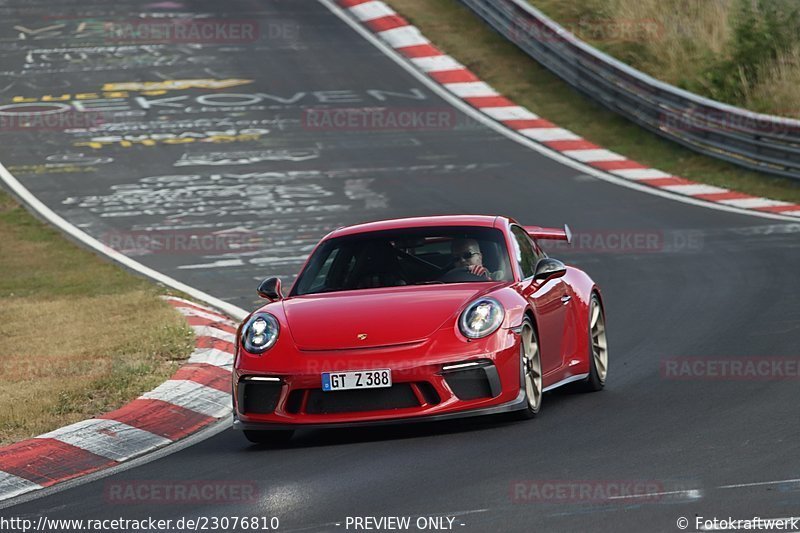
<point>483,221</point>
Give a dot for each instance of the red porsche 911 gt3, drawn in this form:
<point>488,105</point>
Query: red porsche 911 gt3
<point>418,319</point>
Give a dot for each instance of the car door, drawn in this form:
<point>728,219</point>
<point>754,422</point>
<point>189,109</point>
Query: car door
<point>548,298</point>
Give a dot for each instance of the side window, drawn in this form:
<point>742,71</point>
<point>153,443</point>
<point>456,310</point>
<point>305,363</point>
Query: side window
<point>523,251</point>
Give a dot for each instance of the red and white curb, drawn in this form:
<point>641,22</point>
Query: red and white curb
<point>406,39</point>
<point>197,395</point>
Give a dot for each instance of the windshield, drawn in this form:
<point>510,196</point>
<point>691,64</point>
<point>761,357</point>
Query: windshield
<point>406,257</point>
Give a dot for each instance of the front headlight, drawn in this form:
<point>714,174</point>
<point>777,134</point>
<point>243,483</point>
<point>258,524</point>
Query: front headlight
<point>260,333</point>
<point>481,318</point>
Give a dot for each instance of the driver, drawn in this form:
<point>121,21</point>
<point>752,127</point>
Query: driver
<point>467,255</point>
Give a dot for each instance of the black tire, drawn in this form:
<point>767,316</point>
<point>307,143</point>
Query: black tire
<point>596,379</point>
<point>272,437</point>
<point>532,371</point>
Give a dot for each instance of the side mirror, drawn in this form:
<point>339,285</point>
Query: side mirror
<point>548,268</point>
<point>270,289</point>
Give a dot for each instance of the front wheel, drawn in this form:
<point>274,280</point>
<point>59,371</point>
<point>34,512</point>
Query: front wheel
<point>271,437</point>
<point>530,370</point>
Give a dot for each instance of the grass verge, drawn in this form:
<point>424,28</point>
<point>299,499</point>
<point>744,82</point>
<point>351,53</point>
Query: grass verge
<point>78,335</point>
<point>454,28</point>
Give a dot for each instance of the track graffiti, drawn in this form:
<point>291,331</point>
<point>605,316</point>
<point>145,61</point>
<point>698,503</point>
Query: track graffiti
<point>246,158</point>
<point>231,194</point>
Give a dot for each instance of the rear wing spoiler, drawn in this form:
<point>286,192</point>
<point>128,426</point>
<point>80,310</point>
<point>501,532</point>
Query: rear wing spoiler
<point>549,234</point>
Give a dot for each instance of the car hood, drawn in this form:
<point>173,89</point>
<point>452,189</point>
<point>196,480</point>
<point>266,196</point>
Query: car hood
<point>390,316</point>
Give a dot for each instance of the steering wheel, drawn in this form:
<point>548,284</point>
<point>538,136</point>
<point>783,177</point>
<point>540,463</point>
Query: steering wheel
<point>457,274</point>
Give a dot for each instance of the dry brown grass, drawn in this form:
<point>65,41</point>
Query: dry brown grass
<point>78,336</point>
<point>778,88</point>
<point>669,39</point>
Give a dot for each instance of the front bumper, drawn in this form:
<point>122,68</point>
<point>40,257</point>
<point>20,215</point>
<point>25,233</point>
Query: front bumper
<point>431,380</point>
<point>517,404</point>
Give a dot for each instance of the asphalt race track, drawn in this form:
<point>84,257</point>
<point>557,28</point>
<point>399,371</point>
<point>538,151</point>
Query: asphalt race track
<point>254,169</point>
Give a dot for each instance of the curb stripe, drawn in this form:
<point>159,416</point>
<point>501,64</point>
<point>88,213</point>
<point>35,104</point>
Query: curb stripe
<point>211,356</point>
<point>197,321</point>
<point>473,89</point>
<point>551,134</point>
<point>529,123</point>
<point>403,37</point>
<point>450,74</point>
<point>421,50</point>
<point>579,144</point>
<point>454,76</point>
<point>667,182</point>
<point>617,165</point>
<point>640,173</point>
<point>160,418</point>
<point>482,102</point>
<point>695,189</point>
<point>385,23</point>
<point>107,438</point>
<point>753,202</point>
<point>780,209</point>
<point>513,112</point>
<point>48,461</point>
<point>189,311</point>
<point>353,3</point>
<point>194,396</point>
<point>208,375</point>
<point>210,342</point>
<point>587,156</point>
<point>180,302</point>
<point>372,10</point>
<point>437,63</point>
<point>210,331</point>
<point>11,485</point>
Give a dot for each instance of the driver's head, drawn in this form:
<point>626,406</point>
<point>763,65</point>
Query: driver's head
<point>466,252</point>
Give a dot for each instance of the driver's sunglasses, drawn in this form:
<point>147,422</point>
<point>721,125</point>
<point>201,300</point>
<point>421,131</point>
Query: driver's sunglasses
<point>466,256</point>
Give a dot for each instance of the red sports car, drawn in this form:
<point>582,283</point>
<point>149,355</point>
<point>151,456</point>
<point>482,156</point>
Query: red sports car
<point>418,319</point>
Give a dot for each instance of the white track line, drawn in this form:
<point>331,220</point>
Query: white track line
<point>694,494</point>
<point>759,484</point>
<point>48,214</point>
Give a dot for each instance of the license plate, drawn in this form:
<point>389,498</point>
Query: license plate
<point>359,379</point>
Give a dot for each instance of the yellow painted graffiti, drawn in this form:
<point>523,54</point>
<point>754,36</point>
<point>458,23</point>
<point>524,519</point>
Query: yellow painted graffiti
<point>50,169</point>
<point>216,139</point>
<point>175,85</point>
<point>145,88</point>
